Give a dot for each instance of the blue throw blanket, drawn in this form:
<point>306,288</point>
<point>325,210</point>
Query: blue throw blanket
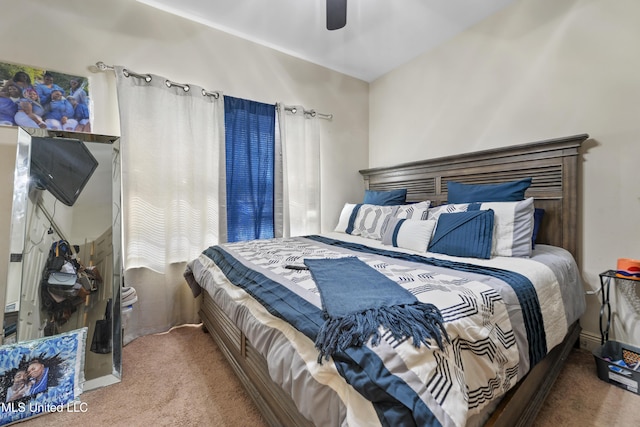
<point>357,300</point>
<point>523,288</point>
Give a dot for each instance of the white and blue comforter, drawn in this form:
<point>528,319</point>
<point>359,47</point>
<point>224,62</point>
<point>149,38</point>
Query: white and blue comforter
<point>502,316</point>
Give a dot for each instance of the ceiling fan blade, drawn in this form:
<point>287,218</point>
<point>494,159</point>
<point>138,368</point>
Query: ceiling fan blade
<point>336,14</point>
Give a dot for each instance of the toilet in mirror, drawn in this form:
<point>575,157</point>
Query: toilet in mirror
<point>62,251</point>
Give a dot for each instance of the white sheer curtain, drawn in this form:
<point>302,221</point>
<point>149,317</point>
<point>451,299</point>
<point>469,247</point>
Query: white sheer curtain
<point>299,134</point>
<point>172,142</point>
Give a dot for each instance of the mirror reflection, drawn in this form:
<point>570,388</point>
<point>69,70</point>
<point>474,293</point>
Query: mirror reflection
<point>71,268</point>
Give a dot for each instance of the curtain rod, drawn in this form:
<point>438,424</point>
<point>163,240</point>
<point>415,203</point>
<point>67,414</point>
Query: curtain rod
<point>311,113</point>
<point>147,77</point>
<point>104,67</point>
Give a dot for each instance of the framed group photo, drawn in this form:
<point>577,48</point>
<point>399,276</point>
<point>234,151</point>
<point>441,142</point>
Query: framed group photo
<point>33,97</point>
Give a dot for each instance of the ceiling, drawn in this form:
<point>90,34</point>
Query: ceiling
<point>379,36</point>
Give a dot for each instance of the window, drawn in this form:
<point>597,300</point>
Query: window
<point>250,146</point>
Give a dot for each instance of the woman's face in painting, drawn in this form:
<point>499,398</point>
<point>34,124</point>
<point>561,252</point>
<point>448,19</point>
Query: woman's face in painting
<point>35,370</point>
<point>21,77</point>
<point>20,377</point>
<point>14,91</point>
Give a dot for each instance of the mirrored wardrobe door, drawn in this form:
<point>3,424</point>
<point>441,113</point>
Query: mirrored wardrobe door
<point>15,145</point>
<point>73,209</point>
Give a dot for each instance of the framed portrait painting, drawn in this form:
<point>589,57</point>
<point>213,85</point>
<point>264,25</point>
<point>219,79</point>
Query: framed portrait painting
<point>40,376</point>
<point>36,98</point>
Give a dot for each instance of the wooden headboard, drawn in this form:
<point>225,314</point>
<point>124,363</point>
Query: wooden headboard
<point>553,164</point>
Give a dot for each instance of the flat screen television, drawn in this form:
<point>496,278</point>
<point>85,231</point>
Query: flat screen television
<point>62,166</point>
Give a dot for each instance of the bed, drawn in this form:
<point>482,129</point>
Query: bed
<point>518,360</point>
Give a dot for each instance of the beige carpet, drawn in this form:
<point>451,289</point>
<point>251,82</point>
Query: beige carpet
<point>580,398</point>
<point>180,378</point>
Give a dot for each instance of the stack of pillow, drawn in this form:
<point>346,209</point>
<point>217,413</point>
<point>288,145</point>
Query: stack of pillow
<point>479,221</point>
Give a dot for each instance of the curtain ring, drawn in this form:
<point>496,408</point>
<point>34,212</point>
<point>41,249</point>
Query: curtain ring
<point>216,95</point>
<point>127,73</point>
<point>169,83</point>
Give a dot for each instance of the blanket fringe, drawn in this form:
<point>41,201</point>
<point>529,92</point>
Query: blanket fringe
<point>420,321</point>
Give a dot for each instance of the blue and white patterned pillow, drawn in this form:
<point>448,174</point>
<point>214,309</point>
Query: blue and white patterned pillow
<point>364,220</point>
<point>436,211</point>
<point>412,211</point>
<point>371,221</point>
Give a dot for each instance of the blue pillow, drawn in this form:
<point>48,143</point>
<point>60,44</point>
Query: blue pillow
<point>385,198</point>
<point>538,213</point>
<point>464,234</point>
<point>512,191</point>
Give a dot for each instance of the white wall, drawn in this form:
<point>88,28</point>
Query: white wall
<point>536,70</point>
<point>72,35</point>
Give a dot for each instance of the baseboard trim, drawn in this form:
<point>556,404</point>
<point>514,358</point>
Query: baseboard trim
<point>589,341</point>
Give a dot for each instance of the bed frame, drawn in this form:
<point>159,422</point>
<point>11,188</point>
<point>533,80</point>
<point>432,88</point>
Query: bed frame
<point>554,166</point>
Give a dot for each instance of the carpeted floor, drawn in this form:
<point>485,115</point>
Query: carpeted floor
<point>180,378</point>
<point>580,398</point>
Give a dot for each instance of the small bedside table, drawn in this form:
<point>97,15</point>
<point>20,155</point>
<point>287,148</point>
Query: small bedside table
<point>605,282</point>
